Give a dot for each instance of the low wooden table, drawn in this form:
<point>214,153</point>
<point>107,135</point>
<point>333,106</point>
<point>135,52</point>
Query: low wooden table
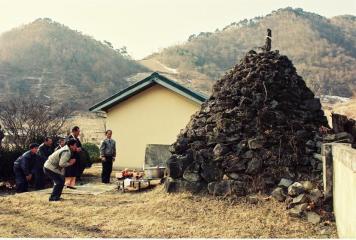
<point>133,182</point>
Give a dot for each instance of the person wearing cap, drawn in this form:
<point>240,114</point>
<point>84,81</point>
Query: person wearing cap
<point>55,166</point>
<point>23,167</point>
<point>44,151</point>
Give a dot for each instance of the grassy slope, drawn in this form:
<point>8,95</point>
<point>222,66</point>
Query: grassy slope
<point>148,214</point>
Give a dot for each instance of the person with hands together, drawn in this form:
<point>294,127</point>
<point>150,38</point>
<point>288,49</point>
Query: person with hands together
<point>55,166</point>
<point>107,155</point>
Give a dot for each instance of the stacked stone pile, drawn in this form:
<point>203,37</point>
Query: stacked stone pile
<point>303,199</point>
<point>327,137</point>
<point>261,124</point>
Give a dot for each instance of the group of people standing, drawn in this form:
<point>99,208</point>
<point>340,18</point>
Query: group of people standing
<point>61,165</point>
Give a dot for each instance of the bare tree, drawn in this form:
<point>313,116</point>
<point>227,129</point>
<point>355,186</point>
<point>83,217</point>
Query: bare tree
<point>30,119</point>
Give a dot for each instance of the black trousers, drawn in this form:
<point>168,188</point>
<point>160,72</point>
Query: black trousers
<point>107,169</point>
<point>39,178</point>
<point>58,180</point>
<point>72,170</point>
<point>21,181</point>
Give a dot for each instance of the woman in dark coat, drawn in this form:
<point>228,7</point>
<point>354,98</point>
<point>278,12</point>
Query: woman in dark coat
<point>72,171</point>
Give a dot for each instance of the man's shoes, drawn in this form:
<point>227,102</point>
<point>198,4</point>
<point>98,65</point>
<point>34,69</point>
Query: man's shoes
<point>70,187</point>
<point>55,199</point>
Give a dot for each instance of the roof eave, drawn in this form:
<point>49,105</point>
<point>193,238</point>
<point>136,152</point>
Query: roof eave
<point>196,98</point>
<point>140,86</point>
<point>106,104</point>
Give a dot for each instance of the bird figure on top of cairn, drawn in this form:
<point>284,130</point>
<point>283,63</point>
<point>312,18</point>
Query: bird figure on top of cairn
<point>268,42</point>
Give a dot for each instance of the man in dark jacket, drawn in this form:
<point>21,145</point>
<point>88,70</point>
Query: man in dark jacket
<point>74,171</point>
<point>23,167</point>
<point>44,151</point>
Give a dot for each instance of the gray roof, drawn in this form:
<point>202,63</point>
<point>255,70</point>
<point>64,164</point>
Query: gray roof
<point>140,86</point>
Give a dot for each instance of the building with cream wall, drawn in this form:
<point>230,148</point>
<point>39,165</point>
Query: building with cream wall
<point>152,111</point>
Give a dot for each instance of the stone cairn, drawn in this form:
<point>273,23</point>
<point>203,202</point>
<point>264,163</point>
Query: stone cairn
<point>261,124</point>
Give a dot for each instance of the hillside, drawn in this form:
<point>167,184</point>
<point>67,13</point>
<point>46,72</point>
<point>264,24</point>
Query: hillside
<point>47,59</point>
<point>323,50</point>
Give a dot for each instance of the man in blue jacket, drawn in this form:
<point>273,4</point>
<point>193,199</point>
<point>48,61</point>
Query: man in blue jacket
<point>23,167</point>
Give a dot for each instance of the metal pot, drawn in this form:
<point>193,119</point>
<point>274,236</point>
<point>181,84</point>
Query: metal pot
<point>154,172</point>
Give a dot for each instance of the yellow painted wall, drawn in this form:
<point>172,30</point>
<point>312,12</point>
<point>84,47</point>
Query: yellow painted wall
<point>154,116</point>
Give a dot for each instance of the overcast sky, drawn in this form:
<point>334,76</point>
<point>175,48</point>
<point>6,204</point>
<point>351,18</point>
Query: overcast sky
<point>145,26</point>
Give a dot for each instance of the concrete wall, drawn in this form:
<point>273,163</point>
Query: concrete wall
<point>154,116</point>
<point>344,189</point>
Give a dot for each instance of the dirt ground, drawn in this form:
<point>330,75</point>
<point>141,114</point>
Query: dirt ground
<point>345,108</point>
<point>151,213</point>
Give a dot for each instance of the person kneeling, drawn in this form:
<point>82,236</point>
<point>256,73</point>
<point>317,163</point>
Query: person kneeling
<point>23,166</point>
<point>55,165</point>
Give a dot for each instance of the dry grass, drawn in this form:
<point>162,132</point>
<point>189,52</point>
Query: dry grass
<point>345,108</point>
<point>148,214</point>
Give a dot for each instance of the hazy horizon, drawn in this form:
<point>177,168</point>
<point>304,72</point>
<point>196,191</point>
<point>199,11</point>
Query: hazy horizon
<point>146,26</point>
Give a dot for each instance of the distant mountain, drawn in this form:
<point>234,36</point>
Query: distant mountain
<point>49,60</point>
<point>323,50</point>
